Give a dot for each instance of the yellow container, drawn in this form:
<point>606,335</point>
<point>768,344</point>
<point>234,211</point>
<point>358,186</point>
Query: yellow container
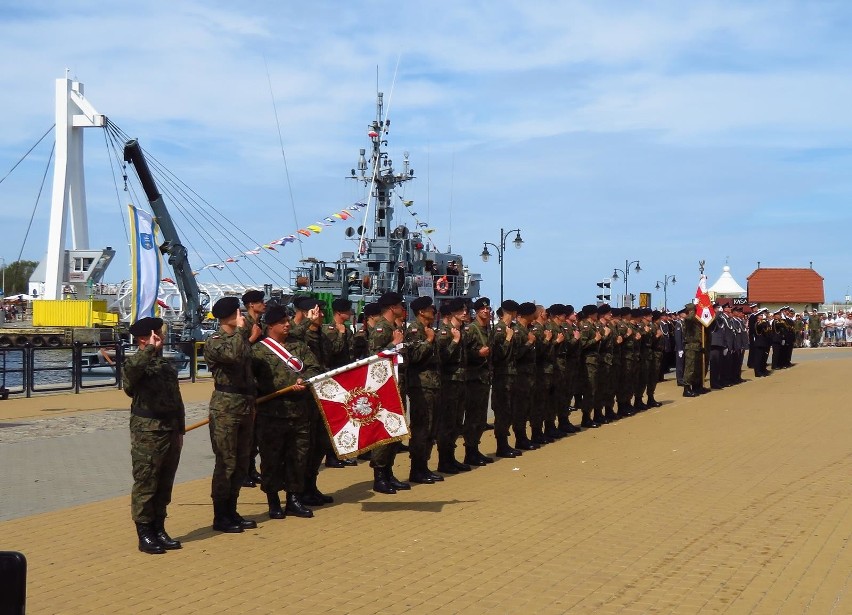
<point>71,313</point>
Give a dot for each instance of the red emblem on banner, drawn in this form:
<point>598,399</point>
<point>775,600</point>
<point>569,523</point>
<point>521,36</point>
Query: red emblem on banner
<point>361,406</point>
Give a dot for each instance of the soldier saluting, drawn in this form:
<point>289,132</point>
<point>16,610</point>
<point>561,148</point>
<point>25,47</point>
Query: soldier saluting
<point>157,425</point>
<point>228,353</point>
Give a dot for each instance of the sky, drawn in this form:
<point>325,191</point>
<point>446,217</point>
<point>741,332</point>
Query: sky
<point>610,132</point>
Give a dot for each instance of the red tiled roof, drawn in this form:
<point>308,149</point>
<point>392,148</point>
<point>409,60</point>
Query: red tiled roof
<point>779,285</point>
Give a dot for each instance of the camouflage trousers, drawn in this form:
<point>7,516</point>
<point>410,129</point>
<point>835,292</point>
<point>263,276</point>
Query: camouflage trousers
<point>320,443</point>
<point>155,455</point>
<point>655,363</point>
<point>542,406</point>
<point>588,386</point>
<point>628,380</point>
<point>448,414</point>
<point>475,411</point>
<point>643,366</point>
<point>522,399</point>
<point>603,384</point>
<point>231,437</point>
<point>283,443</point>
<point>501,404</point>
<point>423,404</point>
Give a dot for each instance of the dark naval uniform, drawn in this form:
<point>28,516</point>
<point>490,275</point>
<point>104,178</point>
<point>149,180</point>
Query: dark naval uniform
<point>156,429</point>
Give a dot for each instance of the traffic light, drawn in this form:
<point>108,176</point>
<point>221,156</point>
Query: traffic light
<point>606,293</point>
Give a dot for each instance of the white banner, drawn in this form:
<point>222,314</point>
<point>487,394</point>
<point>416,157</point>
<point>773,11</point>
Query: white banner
<point>144,265</point>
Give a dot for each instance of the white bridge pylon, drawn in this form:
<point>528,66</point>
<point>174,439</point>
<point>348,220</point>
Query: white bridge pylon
<point>73,113</point>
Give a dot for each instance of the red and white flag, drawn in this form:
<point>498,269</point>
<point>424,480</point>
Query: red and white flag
<point>361,406</point>
<point>703,305</point>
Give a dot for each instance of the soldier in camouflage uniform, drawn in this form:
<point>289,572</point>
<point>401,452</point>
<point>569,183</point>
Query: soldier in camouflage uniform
<point>283,424</point>
<point>590,338</point>
<point>603,389</point>
<point>542,393</point>
<point>385,335</point>
<point>503,365</point>
<point>449,412</point>
<point>655,358</point>
<point>309,313</point>
<point>554,401</point>
<point>255,304</point>
<point>477,381</point>
<point>228,353</point>
<point>572,370</point>
<point>339,342</point>
<point>623,349</point>
<point>644,363</point>
<point>424,391</point>
<point>693,374</point>
<point>156,434</point>
<point>525,383</point>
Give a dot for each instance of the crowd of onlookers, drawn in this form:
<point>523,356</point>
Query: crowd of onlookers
<point>11,311</point>
<point>816,329</point>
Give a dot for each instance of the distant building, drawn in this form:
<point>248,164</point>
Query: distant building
<point>726,286</point>
<point>801,289</point>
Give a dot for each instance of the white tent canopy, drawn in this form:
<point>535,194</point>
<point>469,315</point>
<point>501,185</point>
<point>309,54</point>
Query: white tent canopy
<point>726,285</point>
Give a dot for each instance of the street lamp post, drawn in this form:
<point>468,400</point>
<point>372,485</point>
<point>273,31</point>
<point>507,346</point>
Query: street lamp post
<point>4,277</point>
<point>665,287</point>
<point>626,273</point>
<point>501,249</point>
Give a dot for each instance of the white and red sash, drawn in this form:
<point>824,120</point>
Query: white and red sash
<point>290,360</point>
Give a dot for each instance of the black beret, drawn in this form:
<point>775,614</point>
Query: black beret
<point>499,312</point>
<point>275,313</point>
<point>224,307</point>
<point>604,308</point>
<point>655,314</point>
<point>589,309</point>
<point>682,310</point>
<point>510,305</point>
<point>482,302</point>
<point>557,309</point>
<point>635,312</point>
<point>252,296</point>
<point>445,309</point>
<point>389,299</point>
<point>569,309</point>
<point>305,303</point>
<point>144,326</point>
<point>527,308</point>
<point>457,305</point>
<point>689,307</point>
<point>372,309</point>
<point>421,303</point>
<point>341,305</point>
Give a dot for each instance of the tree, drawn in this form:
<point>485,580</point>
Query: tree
<point>18,276</point>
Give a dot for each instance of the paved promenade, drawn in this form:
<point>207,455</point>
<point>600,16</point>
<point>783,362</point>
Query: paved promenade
<point>739,501</point>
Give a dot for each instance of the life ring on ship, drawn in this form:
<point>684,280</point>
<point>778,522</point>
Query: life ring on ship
<point>54,341</point>
<point>5,341</point>
<point>38,341</point>
<point>442,285</point>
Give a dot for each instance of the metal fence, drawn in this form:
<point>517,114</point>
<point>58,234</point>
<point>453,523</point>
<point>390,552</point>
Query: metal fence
<point>27,370</point>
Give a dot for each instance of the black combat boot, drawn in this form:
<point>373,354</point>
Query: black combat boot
<point>349,462</point>
<point>459,465</point>
<point>653,403</point>
<point>167,541</point>
<point>473,457</point>
<point>420,474</point>
<point>446,463</point>
<point>295,507</point>
<point>275,510</point>
<point>552,432</point>
<point>381,483</point>
<point>394,481</point>
<point>504,450</point>
<point>587,421</point>
<point>246,524</point>
<point>639,405</point>
<point>222,521</point>
<point>565,425</point>
<point>148,542</point>
<point>312,496</point>
<point>625,409</point>
<point>331,461</point>
<point>610,415</point>
<point>689,391</point>
<point>482,457</point>
<point>253,473</point>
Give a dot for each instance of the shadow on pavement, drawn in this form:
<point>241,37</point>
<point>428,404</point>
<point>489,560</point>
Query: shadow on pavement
<point>431,506</point>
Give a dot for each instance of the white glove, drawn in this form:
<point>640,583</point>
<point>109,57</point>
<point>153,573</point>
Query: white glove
<point>725,352</point>
<point>680,353</point>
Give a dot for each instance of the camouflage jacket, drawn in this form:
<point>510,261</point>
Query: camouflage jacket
<point>339,346</point>
<point>152,382</point>
<point>424,368</point>
<point>452,355</point>
<point>315,340</point>
<point>545,354</point>
<point>692,333</point>
<point>228,356</point>
<point>525,352</point>
<point>475,336</point>
<point>658,337</point>
<point>272,374</point>
<point>589,346</point>
<point>607,349</point>
<point>502,350</point>
<point>250,323</point>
